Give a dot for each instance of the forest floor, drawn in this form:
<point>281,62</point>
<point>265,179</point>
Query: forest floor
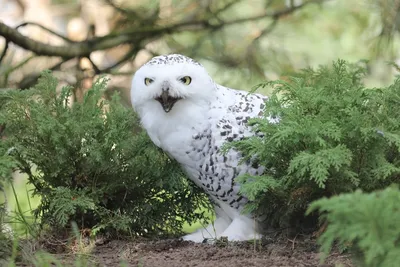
<point>167,253</point>
<point>277,250</point>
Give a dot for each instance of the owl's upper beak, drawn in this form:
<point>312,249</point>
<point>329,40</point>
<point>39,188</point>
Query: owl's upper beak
<point>166,100</point>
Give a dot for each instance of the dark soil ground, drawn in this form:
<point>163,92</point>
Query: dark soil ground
<point>168,253</point>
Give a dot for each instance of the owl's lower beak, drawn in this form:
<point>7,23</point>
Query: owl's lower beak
<point>166,100</point>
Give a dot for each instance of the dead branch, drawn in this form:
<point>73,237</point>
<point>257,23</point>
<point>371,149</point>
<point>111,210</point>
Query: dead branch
<point>131,36</point>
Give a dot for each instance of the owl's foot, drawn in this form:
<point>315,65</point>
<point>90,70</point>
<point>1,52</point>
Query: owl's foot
<point>212,231</point>
<point>242,228</point>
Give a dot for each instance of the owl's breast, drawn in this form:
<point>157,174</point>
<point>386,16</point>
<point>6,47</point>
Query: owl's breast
<point>215,171</point>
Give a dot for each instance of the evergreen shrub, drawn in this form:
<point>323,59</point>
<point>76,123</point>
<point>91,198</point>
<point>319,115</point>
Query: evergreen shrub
<point>334,136</point>
<point>91,163</point>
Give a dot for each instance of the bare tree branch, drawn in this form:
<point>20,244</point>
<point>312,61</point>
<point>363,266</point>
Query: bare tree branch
<point>144,31</point>
<point>3,54</point>
<point>44,28</point>
<point>85,48</point>
<point>75,49</point>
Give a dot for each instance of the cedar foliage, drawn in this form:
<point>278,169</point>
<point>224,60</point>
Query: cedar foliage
<point>368,223</point>
<point>333,136</point>
<point>92,164</point>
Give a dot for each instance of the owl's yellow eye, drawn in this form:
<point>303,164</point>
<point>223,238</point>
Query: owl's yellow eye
<point>148,81</point>
<point>186,80</point>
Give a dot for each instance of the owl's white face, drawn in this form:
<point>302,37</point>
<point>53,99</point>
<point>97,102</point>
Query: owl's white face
<point>167,84</point>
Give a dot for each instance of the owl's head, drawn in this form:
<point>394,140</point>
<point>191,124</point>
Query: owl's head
<point>170,82</point>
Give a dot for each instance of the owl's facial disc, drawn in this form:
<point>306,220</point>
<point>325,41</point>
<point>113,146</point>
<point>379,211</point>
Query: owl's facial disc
<point>166,100</point>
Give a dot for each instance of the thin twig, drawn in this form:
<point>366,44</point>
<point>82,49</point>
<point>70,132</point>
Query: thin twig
<point>128,55</point>
<point>46,29</point>
<point>275,15</point>
<point>19,65</point>
<point>225,7</point>
<point>96,69</point>
<point>124,11</point>
<point>3,54</point>
<point>293,241</point>
<point>267,30</point>
<point>2,129</point>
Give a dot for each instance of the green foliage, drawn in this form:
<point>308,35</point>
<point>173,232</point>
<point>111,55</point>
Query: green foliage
<point>368,222</point>
<point>6,164</point>
<point>333,136</point>
<point>92,164</point>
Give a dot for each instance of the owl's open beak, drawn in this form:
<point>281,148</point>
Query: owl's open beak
<point>166,100</point>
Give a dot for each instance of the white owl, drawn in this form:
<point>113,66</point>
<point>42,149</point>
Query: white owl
<point>190,117</point>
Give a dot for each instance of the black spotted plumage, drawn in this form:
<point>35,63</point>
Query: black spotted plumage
<point>217,172</point>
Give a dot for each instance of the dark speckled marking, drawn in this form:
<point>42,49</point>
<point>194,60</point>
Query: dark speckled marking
<point>171,59</point>
<point>216,171</point>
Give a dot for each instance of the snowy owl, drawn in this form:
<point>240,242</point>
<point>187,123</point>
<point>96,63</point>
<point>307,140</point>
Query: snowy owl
<point>190,117</point>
